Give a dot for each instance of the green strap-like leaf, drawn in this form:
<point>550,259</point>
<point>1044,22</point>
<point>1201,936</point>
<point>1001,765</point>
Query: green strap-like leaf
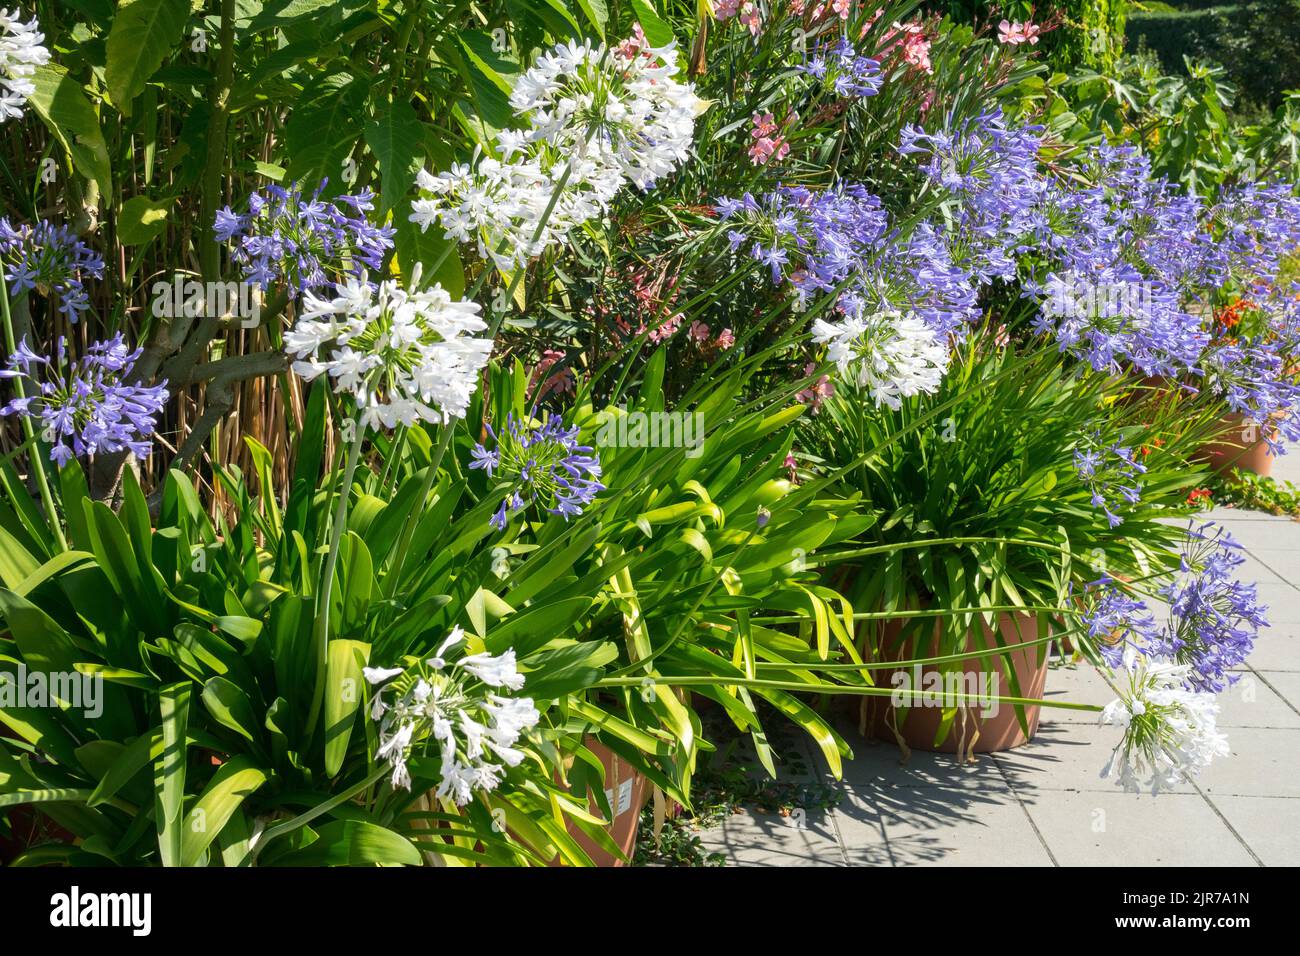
<point>220,801</point>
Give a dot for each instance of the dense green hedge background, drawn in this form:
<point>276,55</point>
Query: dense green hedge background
<point>1258,42</point>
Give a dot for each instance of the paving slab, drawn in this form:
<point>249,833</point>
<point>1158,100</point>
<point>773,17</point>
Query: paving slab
<point>1282,564</point>
<point>769,839</point>
<point>1125,829</point>
<point>1285,683</point>
<point>1277,648</point>
<point>938,826</point>
<point>1269,825</point>
<point>1075,683</point>
<point>1263,763</point>
<point>1252,703</point>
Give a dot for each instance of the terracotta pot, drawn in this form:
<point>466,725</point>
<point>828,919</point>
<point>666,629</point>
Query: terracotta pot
<point>1240,447</point>
<point>627,791</point>
<point>977,728</point>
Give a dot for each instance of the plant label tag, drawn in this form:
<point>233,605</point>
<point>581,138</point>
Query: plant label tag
<point>624,797</point>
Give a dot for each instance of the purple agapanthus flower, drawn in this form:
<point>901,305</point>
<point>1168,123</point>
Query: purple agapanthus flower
<point>1110,473</point>
<point>1213,619</point>
<point>993,185</point>
<point>839,67</point>
<point>308,243</point>
<point>51,261</point>
<point>841,240</point>
<point>86,406</point>
<point>541,464</point>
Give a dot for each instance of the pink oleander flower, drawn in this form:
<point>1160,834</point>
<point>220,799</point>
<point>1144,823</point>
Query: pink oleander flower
<point>751,18</point>
<point>916,47</point>
<point>699,332</point>
<point>561,383</point>
<point>666,330</point>
<point>725,340</point>
<point>634,44</point>
<point>1016,33</point>
<point>791,465</point>
<point>817,392</point>
<point>726,9</point>
<point>766,144</point>
<point>765,148</point>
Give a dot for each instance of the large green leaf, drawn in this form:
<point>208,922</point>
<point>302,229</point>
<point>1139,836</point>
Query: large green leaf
<point>144,32</point>
<point>395,137</point>
<point>61,104</point>
<point>169,770</point>
<point>344,691</point>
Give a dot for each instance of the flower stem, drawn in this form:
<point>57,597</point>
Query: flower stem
<point>393,578</point>
<point>35,455</point>
<point>321,636</point>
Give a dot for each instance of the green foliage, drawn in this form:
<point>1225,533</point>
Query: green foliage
<point>979,509</point>
<point>1257,42</point>
<point>1251,492</point>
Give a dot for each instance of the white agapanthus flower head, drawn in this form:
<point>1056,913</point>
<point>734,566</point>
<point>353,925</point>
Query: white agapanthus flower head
<point>893,356</point>
<point>404,355</point>
<point>595,119</point>
<point>452,704</point>
<point>1169,731</point>
<point>622,106</point>
<point>21,52</point>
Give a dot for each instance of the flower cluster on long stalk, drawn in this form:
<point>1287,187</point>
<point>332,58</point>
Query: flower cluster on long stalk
<point>308,243</point>
<point>458,705</point>
<point>50,260</point>
<point>405,355</point>
<point>1170,731</point>
<point>595,118</point>
<point>541,464</point>
<point>86,405</point>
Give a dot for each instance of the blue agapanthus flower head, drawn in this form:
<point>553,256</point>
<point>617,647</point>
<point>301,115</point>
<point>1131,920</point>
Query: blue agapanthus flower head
<point>86,405</point>
<point>1213,619</point>
<point>540,464</point>
<point>840,68</point>
<point>51,261</point>
<point>307,242</point>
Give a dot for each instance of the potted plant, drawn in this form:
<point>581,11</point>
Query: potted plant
<point>988,523</point>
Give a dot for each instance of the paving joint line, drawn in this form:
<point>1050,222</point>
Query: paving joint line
<point>1231,829</point>
<point>1011,787</point>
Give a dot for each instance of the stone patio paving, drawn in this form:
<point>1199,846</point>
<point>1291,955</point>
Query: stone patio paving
<point>1045,804</point>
